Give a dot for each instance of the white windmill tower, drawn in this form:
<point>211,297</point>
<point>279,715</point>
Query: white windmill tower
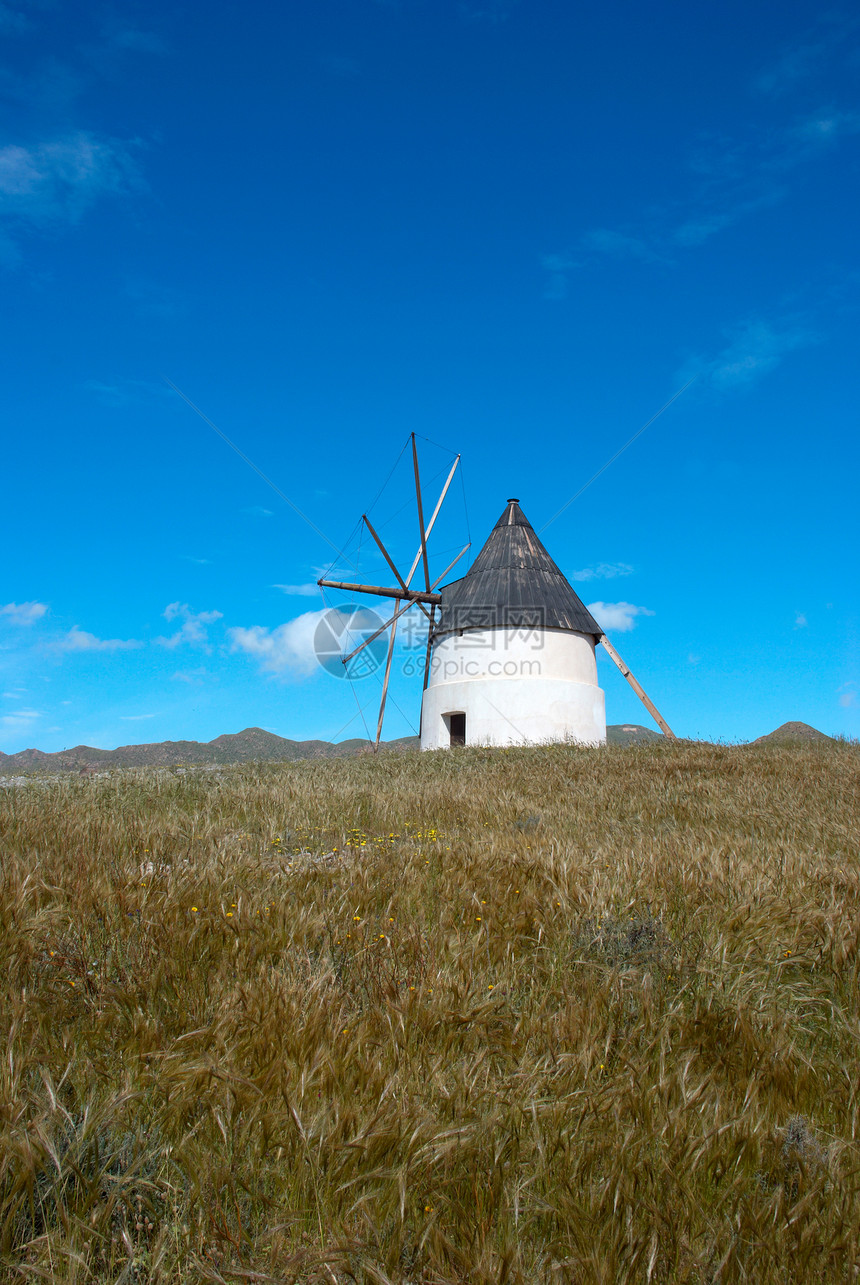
<point>510,658</point>
<point>512,653</point>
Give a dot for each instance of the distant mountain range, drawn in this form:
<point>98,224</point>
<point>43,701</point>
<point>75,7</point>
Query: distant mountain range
<point>252,745</point>
<point>256,745</point>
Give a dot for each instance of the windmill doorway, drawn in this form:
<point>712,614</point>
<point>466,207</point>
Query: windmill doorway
<point>457,728</point>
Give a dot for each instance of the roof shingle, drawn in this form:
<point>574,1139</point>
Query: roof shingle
<point>513,584</point>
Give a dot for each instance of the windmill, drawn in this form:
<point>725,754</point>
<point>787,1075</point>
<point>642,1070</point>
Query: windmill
<point>401,592</point>
<point>511,655</point>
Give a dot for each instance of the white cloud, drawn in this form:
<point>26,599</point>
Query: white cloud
<point>298,590</point>
<point>157,301</point>
<point>597,242</point>
<point>286,649</point>
<point>257,511</point>
<point>107,394</point>
<point>21,718</point>
<point>748,176</point>
<point>824,128</point>
<point>189,675</point>
<point>59,180</point>
<point>145,42</point>
<point>603,571</point>
<point>617,617</point>
<point>24,613</point>
<point>618,244</point>
<point>794,64</point>
<point>194,626</point>
<point>289,649</point>
<point>134,718</point>
<point>558,267</point>
<point>563,262</point>
<point>79,640</point>
<point>848,695</point>
<point>756,347</point>
<point>800,621</point>
<point>12,20</point>
<point>177,610</point>
<point>122,392</point>
<point>697,230</point>
<point>738,178</point>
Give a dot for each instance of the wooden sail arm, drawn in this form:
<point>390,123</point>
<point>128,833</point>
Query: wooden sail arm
<point>421,531</point>
<point>411,595</point>
<point>638,689</point>
<point>430,525</point>
<point>382,549</point>
<point>387,556</point>
<point>344,660</point>
<point>400,610</point>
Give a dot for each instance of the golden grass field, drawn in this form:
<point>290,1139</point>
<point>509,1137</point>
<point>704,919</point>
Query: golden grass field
<point>527,1016</point>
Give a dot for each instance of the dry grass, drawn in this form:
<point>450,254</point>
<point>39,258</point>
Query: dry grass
<point>528,1016</point>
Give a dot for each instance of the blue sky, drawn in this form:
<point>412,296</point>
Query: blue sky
<point>514,228</point>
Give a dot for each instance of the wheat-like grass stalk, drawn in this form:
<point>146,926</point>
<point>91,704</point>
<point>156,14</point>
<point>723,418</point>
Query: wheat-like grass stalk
<point>527,1016</point>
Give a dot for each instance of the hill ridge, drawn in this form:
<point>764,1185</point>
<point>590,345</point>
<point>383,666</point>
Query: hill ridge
<point>253,744</point>
<point>792,733</point>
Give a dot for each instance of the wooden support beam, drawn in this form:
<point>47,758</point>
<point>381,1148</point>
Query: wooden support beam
<point>638,689</point>
<point>412,595</point>
<point>387,556</point>
<point>427,652</point>
<point>422,533</point>
<point>388,661</point>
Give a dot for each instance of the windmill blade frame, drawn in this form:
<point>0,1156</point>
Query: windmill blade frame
<point>402,592</point>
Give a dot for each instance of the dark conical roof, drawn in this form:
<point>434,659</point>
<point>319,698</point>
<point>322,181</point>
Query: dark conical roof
<point>513,584</point>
